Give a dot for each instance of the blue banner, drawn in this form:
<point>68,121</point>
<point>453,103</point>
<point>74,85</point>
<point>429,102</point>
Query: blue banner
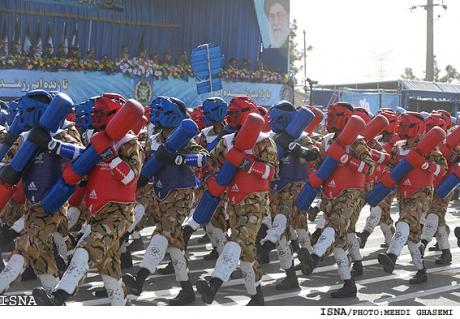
<point>82,85</point>
<point>369,101</point>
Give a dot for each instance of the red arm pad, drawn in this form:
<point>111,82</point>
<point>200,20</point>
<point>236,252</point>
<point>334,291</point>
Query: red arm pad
<point>101,141</point>
<point>124,120</point>
<point>359,166</point>
<point>380,157</point>
<point>352,129</point>
<point>375,127</point>
<point>262,170</point>
<point>6,191</point>
<point>336,151</point>
<point>69,176</point>
<point>77,196</point>
<point>18,196</point>
<point>415,159</point>
<point>215,188</point>
<point>235,156</point>
<point>122,171</point>
<point>249,132</point>
<point>316,120</point>
<point>430,140</point>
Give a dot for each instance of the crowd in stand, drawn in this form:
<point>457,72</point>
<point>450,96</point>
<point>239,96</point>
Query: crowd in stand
<point>156,65</point>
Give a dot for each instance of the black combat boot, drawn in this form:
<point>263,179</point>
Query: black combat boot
<point>348,290</point>
<point>213,255</point>
<point>260,235</point>
<point>435,247</point>
<point>208,290</point>
<point>263,255</point>
<point>388,261</point>
<point>357,269</point>
<point>135,284</point>
<point>167,270</point>
<point>290,281</point>
<point>136,245</point>
<point>420,277</point>
<point>257,299</point>
<point>126,260</point>
<point>422,246</point>
<point>445,258</point>
<point>362,238</point>
<point>315,236</point>
<point>308,261</point>
<point>42,298</point>
<point>457,234</point>
<point>185,297</point>
<point>295,245</point>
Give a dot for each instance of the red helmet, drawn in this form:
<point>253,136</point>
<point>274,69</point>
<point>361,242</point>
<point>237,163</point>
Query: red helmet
<point>362,113</point>
<point>104,109</point>
<point>238,110</point>
<point>447,118</point>
<point>392,118</point>
<point>435,119</point>
<point>197,116</point>
<point>411,124</point>
<point>266,115</point>
<point>338,115</point>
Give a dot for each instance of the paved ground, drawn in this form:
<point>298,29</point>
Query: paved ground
<point>375,287</point>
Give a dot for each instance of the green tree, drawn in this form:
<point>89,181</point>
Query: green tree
<point>409,74</point>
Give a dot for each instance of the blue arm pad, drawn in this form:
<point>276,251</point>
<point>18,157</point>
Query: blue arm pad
<point>57,196</point>
<point>306,197</point>
<point>226,174</point>
<point>400,170</point>
<point>86,161</point>
<point>448,185</point>
<point>377,194</point>
<point>24,155</point>
<point>326,168</point>
<point>206,208</point>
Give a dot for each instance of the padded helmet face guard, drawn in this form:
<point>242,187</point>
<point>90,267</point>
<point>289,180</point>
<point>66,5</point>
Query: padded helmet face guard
<point>214,109</point>
<point>104,108</point>
<point>338,115</point>
<point>411,124</point>
<point>83,113</point>
<point>447,118</point>
<point>239,108</point>
<point>31,107</point>
<point>167,112</point>
<point>197,116</point>
<point>436,119</point>
<point>392,118</point>
<point>281,115</point>
<point>362,113</point>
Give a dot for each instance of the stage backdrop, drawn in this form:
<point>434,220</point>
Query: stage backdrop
<point>83,85</point>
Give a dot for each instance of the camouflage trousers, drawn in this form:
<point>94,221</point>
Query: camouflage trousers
<point>283,202</point>
<point>145,198</point>
<point>439,207</point>
<point>171,212</point>
<point>385,205</point>
<point>103,244</point>
<point>342,213</point>
<point>245,220</point>
<point>411,210</point>
<point>11,213</point>
<point>36,242</point>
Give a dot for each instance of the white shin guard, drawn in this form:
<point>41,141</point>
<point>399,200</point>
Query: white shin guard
<point>284,253</point>
<point>13,269</point>
<point>430,226</point>
<point>343,265</point>
<point>278,227</point>
<point>75,272</point>
<point>114,290</point>
<point>416,255</point>
<point>373,220</point>
<point>304,239</point>
<point>353,247</point>
<point>217,237</point>
<point>48,282</point>
<point>387,232</point>
<point>61,245</point>
<point>442,236</point>
<point>325,241</point>
<point>227,261</point>
<point>399,239</point>
<point>249,277</point>
<point>139,212</point>
<point>154,253</point>
<point>73,215</point>
<point>179,263</point>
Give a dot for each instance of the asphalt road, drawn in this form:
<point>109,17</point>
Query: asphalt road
<point>375,287</point>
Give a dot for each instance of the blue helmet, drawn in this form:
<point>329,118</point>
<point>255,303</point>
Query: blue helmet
<point>31,107</point>
<point>281,114</point>
<point>13,108</point>
<point>167,112</point>
<point>83,113</point>
<point>215,110</point>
